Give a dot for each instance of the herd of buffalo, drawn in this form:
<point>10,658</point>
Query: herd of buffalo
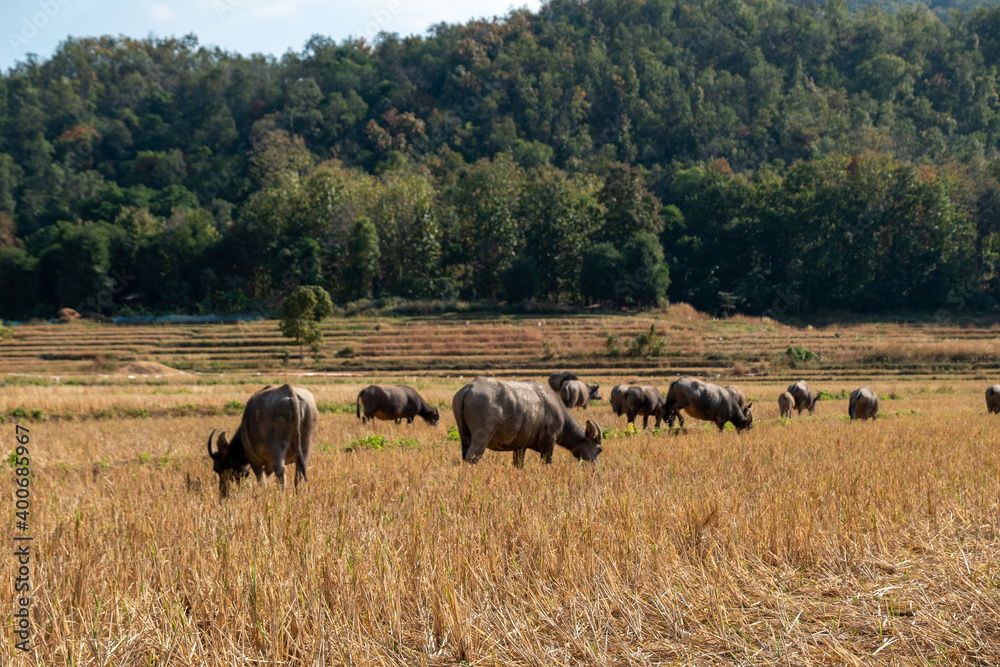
<point>279,423</point>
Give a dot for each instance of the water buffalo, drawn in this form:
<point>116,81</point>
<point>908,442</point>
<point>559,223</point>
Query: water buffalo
<point>864,404</point>
<point>805,398</point>
<point>278,426</point>
<point>708,402</point>
<point>993,399</point>
<point>618,399</point>
<point>576,394</point>
<point>643,401</point>
<point>556,379</point>
<point>786,402</point>
<point>394,402</point>
<point>517,416</point>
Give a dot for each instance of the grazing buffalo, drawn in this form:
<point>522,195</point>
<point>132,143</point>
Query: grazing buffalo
<point>643,401</point>
<point>805,398</point>
<point>556,380</point>
<point>864,404</point>
<point>993,399</point>
<point>618,399</point>
<point>786,402</point>
<point>708,402</point>
<point>576,394</point>
<point>394,402</point>
<point>517,416</point>
<point>277,428</point>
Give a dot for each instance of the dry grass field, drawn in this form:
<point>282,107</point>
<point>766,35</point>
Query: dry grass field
<point>809,541</point>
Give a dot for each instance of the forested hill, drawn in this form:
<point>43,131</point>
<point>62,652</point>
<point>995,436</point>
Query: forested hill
<point>769,157</point>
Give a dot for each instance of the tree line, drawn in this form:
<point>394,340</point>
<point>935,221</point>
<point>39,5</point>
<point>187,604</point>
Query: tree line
<point>768,157</point>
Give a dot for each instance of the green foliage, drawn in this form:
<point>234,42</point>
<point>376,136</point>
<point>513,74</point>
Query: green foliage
<point>330,408</point>
<point>233,406</point>
<point>453,433</point>
<point>301,314</point>
<point>647,344</point>
<point>782,159</point>
<point>612,347</point>
<point>378,442</point>
<point>6,332</point>
<point>798,356</point>
<point>362,260</point>
<point>21,414</point>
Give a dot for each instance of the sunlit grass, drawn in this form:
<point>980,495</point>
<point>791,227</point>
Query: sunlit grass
<point>812,540</point>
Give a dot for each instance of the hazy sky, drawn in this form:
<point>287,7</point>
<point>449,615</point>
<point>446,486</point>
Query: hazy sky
<point>245,26</point>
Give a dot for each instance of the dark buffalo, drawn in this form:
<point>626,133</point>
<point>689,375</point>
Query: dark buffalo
<point>516,416</point>
<point>993,399</point>
<point>805,398</point>
<point>863,404</point>
<point>643,401</point>
<point>277,428</point>
<point>396,402</point>
<point>708,402</point>
<point>617,399</point>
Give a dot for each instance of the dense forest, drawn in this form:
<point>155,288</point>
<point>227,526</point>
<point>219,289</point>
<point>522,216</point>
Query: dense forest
<point>760,156</point>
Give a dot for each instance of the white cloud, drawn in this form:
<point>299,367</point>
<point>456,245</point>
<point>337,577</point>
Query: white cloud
<point>161,12</point>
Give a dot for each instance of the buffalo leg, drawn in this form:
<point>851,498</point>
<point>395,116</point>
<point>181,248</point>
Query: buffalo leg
<point>546,452</point>
<point>474,444</point>
<point>645,422</point>
<point>519,458</point>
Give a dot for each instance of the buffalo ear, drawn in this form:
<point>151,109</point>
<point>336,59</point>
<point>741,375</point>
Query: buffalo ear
<point>222,444</point>
<point>593,432</point>
<point>749,405</point>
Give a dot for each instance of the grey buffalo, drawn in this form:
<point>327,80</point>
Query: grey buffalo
<point>277,428</point>
<point>617,399</point>
<point>396,402</point>
<point>557,379</point>
<point>708,402</point>
<point>864,404</point>
<point>993,399</point>
<point>516,416</point>
<point>805,398</point>
<point>643,401</point>
<point>786,403</point>
<point>576,394</point>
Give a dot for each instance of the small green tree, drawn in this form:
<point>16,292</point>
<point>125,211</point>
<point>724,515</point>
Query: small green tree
<point>301,314</point>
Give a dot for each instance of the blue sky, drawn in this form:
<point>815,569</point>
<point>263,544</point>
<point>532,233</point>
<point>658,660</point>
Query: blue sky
<point>245,26</point>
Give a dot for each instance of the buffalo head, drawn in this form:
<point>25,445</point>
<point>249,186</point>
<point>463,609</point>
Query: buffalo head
<point>589,448</point>
<point>595,395</point>
<point>228,461</point>
<point>747,419</point>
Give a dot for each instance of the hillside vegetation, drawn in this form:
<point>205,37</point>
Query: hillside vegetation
<point>769,157</point>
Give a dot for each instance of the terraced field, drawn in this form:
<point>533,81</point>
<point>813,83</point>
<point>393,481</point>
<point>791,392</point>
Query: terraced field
<point>691,343</point>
